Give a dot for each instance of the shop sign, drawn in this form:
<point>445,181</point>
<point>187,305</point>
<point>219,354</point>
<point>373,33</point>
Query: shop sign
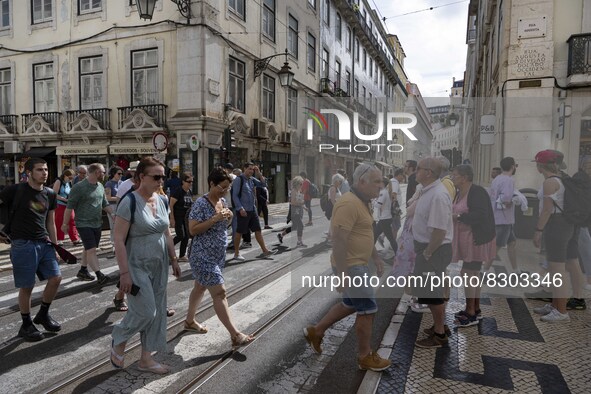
<point>137,149</point>
<point>75,150</point>
<point>487,129</point>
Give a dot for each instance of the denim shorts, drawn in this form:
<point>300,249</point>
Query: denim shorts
<point>505,235</point>
<point>362,299</point>
<point>91,237</point>
<point>32,257</point>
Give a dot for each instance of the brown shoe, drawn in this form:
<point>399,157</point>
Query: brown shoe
<point>373,362</point>
<point>313,339</point>
<point>431,330</point>
<point>432,341</point>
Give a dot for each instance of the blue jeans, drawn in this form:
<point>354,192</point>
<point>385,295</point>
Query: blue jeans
<point>362,299</point>
<point>32,257</point>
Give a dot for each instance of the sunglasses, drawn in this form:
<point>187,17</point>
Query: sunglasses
<point>119,173</point>
<point>188,181</point>
<point>157,177</point>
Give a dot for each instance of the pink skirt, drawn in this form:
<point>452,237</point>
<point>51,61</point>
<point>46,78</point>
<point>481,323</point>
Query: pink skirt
<point>464,248</point>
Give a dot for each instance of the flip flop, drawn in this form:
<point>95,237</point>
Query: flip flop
<point>120,305</point>
<point>241,339</point>
<point>157,368</point>
<point>117,360</point>
<point>195,327</point>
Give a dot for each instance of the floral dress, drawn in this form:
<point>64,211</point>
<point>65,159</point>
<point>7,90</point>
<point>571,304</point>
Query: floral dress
<point>208,249</point>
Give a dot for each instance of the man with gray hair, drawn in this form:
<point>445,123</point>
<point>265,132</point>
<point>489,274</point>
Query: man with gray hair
<point>352,236</point>
<point>81,172</point>
<point>432,228</point>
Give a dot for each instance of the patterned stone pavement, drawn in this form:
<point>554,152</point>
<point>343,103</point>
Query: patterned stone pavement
<point>511,350</point>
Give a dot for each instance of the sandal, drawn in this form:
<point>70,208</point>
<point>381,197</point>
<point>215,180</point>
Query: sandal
<point>467,320</point>
<point>117,360</point>
<point>241,339</point>
<point>120,305</point>
<point>156,368</point>
<point>170,312</point>
<point>195,327</point>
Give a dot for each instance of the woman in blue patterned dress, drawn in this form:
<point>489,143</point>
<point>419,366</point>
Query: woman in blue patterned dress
<point>208,221</point>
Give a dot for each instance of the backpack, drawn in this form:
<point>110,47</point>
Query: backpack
<point>239,191</point>
<point>577,190</point>
<point>324,202</point>
<point>313,191</point>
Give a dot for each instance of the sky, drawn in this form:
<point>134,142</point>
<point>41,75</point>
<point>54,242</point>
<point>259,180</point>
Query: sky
<point>434,41</point>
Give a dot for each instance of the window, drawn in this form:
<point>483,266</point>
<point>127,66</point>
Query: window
<point>348,82</point>
<point>5,92</point>
<point>370,102</point>
<point>269,18</point>
<point>370,67</point>
<point>268,97</point>
<point>292,107</point>
<point>42,11</point>
<point>337,76</point>
<point>324,65</point>
<point>364,60</point>
<point>144,76</point>
<point>44,87</point>
<point>91,82</point>
<point>292,36</point>
<point>237,7</point>
<point>339,27</point>
<point>236,83</point>
<point>348,39</point>
<point>364,94</point>
<point>4,14</point>
<point>312,3</point>
<point>357,50</point>
<point>87,6</point>
<point>356,93</point>
<point>311,52</point>
<point>326,14</point>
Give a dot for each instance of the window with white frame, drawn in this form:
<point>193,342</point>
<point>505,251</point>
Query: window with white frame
<point>269,19</point>
<point>292,107</point>
<point>292,36</point>
<point>324,65</point>
<point>88,6</point>
<point>238,8</point>
<point>236,84</point>
<point>348,39</point>
<point>91,82</point>
<point>42,11</point>
<point>5,91</point>
<point>4,14</point>
<point>311,55</point>
<point>339,27</point>
<point>44,87</point>
<point>145,77</point>
<point>268,97</point>
<point>326,13</point>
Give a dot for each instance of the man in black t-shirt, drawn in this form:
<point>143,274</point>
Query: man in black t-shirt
<point>31,224</point>
<point>410,169</point>
<point>180,202</point>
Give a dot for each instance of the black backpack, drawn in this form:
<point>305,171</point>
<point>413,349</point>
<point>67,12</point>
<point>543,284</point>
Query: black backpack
<point>314,192</point>
<point>577,191</point>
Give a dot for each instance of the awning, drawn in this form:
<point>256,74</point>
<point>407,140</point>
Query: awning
<point>37,151</point>
<point>386,165</point>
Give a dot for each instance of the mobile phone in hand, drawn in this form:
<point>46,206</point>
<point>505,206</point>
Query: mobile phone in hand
<point>134,289</point>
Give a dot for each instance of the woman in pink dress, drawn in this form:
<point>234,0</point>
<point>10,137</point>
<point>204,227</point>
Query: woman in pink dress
<point>474,236</point>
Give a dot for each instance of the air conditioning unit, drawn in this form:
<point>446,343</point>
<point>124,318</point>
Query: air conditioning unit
<point>11,147</point>
<point>259,128</point>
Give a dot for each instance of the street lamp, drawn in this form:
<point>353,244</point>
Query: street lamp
<point>285,74</point>
<point>146,8</point>
<point>453,119</point>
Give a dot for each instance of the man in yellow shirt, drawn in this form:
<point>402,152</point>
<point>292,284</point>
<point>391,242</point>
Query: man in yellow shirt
<point>352,237</point>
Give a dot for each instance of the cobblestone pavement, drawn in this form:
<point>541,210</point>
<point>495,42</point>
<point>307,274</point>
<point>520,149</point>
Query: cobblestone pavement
<point>511,350</point>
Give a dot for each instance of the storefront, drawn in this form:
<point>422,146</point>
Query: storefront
<point>71,156</point>
<point>124,154</point>
<point>276,167</point>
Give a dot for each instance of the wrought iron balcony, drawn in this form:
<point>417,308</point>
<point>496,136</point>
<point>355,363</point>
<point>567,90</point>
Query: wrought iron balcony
<point>155,111</point>
<point>579,54</point>
<point>41,122</point>
<point>327,86</point>
<point>76,120</point>
<point>10,122</point>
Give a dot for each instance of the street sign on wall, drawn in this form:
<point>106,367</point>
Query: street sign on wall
<point>487,129</point>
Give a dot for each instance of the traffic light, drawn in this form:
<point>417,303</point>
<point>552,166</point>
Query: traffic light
<point>229,140</point>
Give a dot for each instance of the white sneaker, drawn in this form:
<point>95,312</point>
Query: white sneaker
<point>544,310</point>
<point>420,308</point>
<point>239,258</point>
<point>555,317</point>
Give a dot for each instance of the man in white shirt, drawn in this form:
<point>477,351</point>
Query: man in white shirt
<point>383,206</point>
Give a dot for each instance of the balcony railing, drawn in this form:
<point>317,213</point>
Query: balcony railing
<point>101,115</point>
<point>156,111</point>
<point>10,122</point>
<point>51,118</point>
<point>579,54</point>
<point>332,88</point>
